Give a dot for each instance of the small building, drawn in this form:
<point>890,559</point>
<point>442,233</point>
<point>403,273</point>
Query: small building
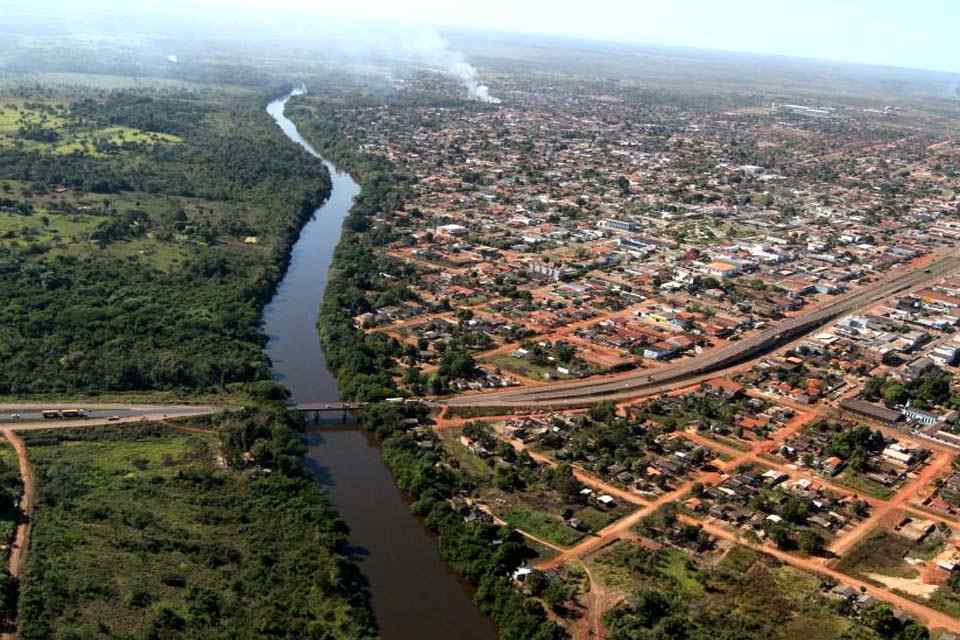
<point>870,410</point>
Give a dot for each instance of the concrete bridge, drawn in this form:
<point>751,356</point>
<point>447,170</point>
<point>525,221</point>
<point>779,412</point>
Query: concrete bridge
<point>314,411</point>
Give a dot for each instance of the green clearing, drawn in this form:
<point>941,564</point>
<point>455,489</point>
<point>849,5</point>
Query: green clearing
<point>539,511</point>
<point>542,552</point>
<point>68,235</point>
<point>140,533</point>
<point>542,525</point>
<point>882,552</point>
<point>596,518</point>
<point>861,483</point>
<point>524,367</point>
<point>946,600</point>
<point>45,226</point>
<point>470,464</point>
<point>68,135</point>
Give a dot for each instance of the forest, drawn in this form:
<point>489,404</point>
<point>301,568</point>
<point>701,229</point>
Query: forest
<point>139,533</point>
<point>142,261</point>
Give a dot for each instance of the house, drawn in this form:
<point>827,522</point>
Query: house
<point>919,367</point>
<point>453,230</point>
<point>897,454</point>
<point>722,269</point>
<point>726,387</point>
<point>832,465</point>
<point>660,351</point>
<point>521,574</point>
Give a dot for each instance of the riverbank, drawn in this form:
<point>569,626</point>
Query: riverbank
<point>483,554</point>
<point>414,594</point>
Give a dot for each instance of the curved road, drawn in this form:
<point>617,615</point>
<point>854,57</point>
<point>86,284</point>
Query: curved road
<point>652,381</point>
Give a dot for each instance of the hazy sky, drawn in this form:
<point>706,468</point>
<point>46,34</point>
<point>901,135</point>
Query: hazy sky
<point>910,33</point>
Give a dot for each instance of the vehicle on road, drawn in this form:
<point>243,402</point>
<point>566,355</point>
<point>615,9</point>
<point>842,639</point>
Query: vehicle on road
<point>53,414</point>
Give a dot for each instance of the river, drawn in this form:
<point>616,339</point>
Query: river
<point>415,595</point>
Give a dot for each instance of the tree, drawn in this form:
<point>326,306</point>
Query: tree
<point>563,482</point>
<point>456,362</point>
<point>894,394</point>
<point>556,595</point>
<point>880,618</point>
<point>651,607</point>
<point>537,582</point>
<point>604,412</point>
<point>780,534</point>
<point>811,542</point>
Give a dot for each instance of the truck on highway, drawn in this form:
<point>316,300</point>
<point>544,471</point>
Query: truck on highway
<point>53,414</point>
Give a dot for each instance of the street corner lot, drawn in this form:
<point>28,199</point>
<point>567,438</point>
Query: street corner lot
<point>913,557</point>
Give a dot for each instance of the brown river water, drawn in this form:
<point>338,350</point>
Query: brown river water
<point>415,595</point>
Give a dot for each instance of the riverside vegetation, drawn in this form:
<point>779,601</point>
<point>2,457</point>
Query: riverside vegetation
<point>484,554</point>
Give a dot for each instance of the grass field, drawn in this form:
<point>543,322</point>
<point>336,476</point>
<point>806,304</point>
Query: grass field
<point>882,552</point>
<point>539,511</point>
<point>864,485</point>
<point>72,137</point>
<point>525,368</point>
<point>883,555</point>
<point>542,525</point>
<point>470,464</point>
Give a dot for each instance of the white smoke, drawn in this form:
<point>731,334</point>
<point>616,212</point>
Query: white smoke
<point>419,47</point>
<point>467,74</point>
<point>172,58</point>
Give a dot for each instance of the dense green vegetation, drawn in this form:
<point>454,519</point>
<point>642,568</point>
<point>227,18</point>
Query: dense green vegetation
<point>139,533</point>
<point>930,389</point>
<point>126,262</point>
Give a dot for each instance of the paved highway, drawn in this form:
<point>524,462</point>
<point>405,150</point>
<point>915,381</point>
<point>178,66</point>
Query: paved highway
<point>652,381</point>
<point>28,415</point>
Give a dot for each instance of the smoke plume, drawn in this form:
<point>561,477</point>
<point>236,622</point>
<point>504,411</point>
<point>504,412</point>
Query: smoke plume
<point>406,45</point>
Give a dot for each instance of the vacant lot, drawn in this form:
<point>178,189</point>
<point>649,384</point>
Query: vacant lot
<point>732,596</point>
<point>892,561</point>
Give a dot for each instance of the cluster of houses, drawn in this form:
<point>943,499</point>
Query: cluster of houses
<point>754,499</point>
<point>596,213</point>
<point>889,466</point>
<point>389,314</point>
<point>648,472</point>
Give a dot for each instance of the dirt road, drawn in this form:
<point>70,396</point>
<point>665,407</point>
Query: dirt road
<point>21,541</point>
<point>18,554</point>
